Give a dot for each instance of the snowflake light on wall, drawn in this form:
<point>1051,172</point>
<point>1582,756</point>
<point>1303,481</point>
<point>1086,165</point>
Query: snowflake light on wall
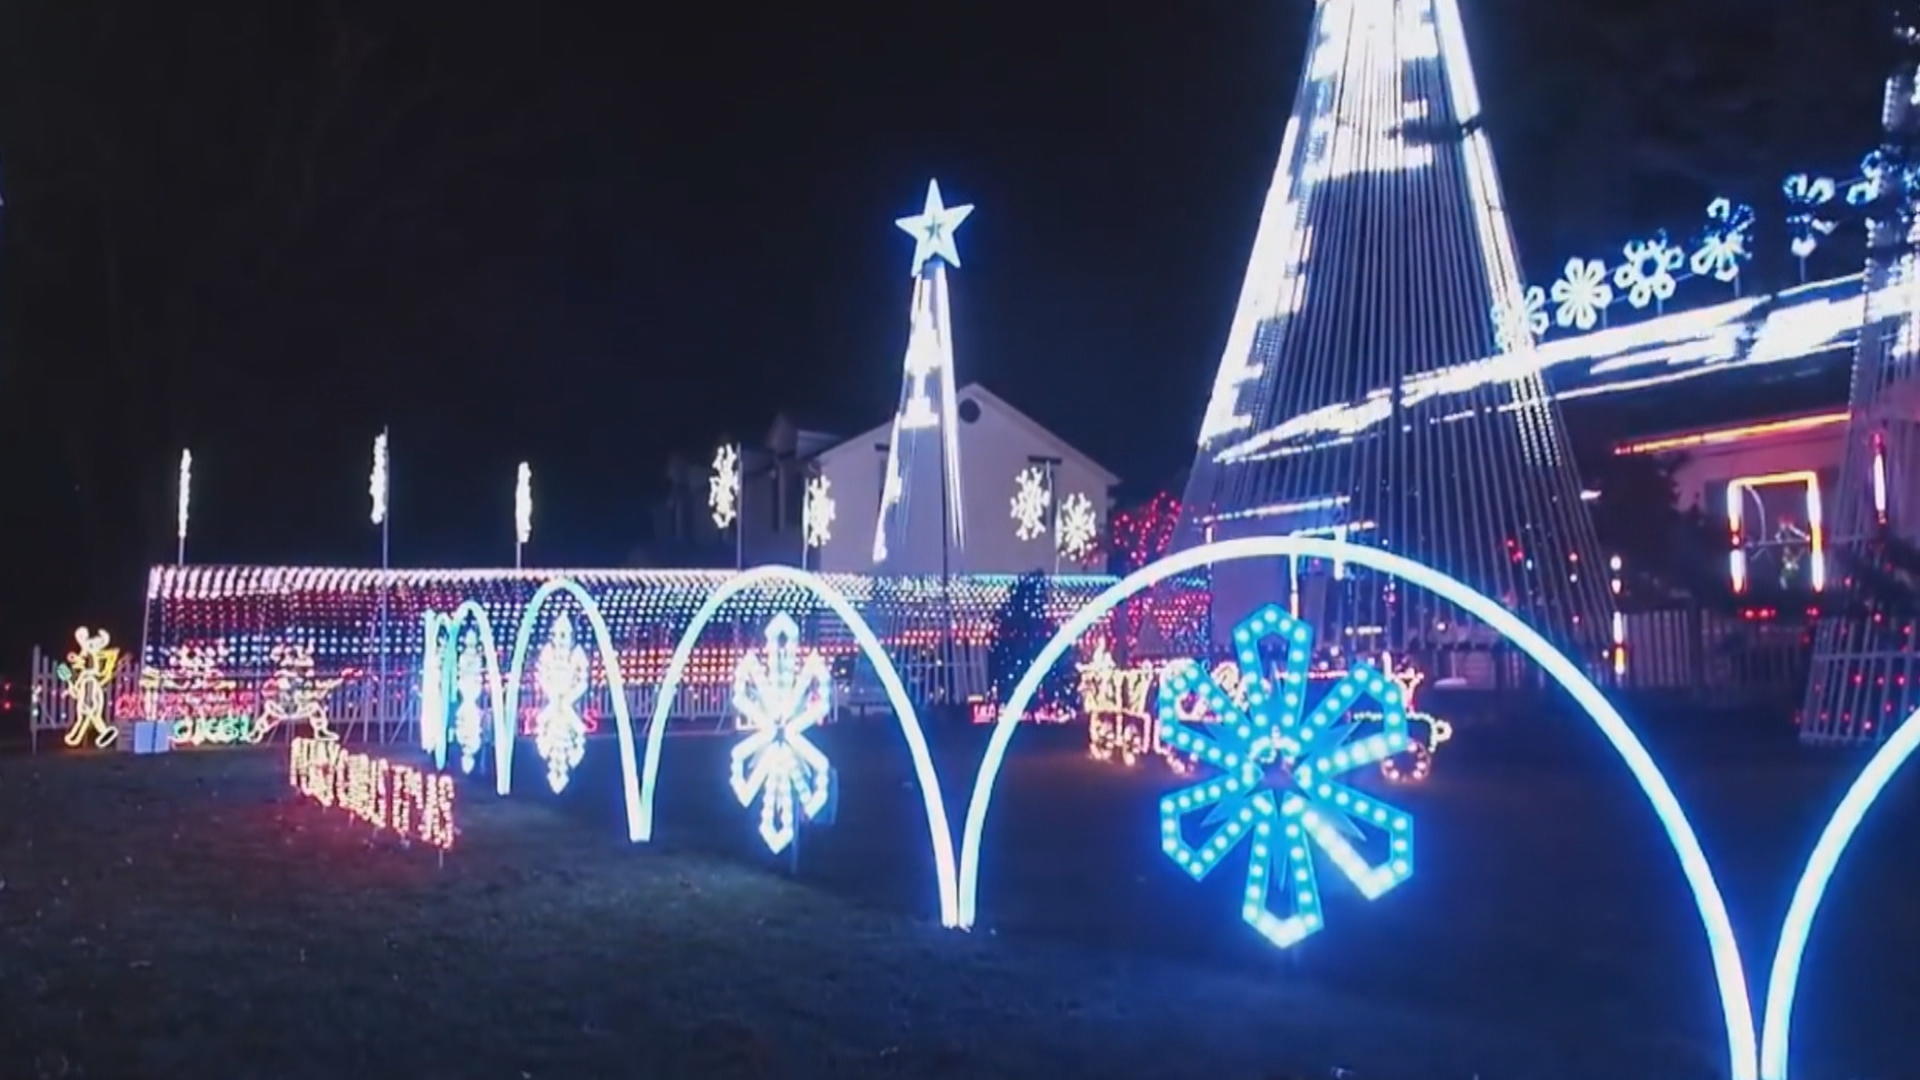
<point>1805,196</point>
<point>1031,499</point>
<point>781,695</point>
<point>1582,293</point>
<point>1647,273</point>
<point>1518,320</point>
<point>1276,793</point>
<point>1724,244</point>
<point>819,512</point>
<point>723,487</point>
<point>1079,526</point>
<point>560,733</point>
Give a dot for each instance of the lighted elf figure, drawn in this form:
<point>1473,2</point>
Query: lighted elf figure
<point>559,732</point>
<point>294,696</point>
<point>467,683</point>
<point>86,675</point>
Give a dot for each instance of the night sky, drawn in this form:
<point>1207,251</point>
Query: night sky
<point>589,235</point>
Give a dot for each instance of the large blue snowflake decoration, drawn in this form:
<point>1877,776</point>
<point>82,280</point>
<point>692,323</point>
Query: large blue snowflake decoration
<point>779,698</point>
<point>1277,790</point>
<point>1724,243</point>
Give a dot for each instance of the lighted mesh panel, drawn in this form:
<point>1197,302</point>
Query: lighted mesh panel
<point>1366,390</point>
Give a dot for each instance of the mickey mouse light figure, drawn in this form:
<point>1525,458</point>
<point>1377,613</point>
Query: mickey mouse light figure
<point>86,675</point>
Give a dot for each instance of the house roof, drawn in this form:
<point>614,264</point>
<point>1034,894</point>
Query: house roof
<point>881,432</point>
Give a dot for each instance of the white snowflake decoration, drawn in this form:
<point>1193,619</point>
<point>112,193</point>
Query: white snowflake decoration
<point>1078,526</point>
<point>1723,246</point>
<point>1518,320</point>
<point>723,487</point>
<point>779,698</point>
<point>1582,293</point>
<point>1875,171</point>
<point>818,515</point>
<point>559,732</point>
<point>1030,502</point>
<point>468,730</point>
<point>1647,273</point>
<point>1805,196</point>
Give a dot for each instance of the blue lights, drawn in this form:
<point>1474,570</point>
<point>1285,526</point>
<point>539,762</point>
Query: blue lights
<point>1805,196</point>
<point>1724,244</point>
<point>1647,274</point>
<point>1276,793</point>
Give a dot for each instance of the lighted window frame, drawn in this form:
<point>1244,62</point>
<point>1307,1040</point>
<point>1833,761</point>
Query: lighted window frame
<point>1737,490</point>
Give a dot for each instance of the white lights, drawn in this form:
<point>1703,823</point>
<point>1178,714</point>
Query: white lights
<point>559,732</point>
<point>723,486</point>
<point>522,505</point>
<point>1582,293</point>
<point>1030,503</point>
<point>1646,274</point>
<point>1879,478</point>
<point>1740,489</point>
<point>818,514</point>
<point>1079,527</point>
<point>932,229</point>
<point>377,480</point>
<point>780,696</point>
<point>185,500</point>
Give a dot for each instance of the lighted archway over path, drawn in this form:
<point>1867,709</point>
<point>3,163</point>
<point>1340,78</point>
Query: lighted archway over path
<point>433,730</point>
<point>640,804</point>
<point>506,721</point>
<point>1807,895</point>
<point>1693,861</point>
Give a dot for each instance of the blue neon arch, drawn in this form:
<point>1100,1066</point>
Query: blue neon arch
<point>433,729</point>
<point>1725,950</point>
<point>1812,888</point>
<point>640,802</point>
<point>506,721</point>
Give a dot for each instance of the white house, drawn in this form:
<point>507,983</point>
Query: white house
<point>996,443</point>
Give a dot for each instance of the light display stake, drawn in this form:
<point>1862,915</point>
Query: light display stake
<point>377,480</point>
<point>522,510</point>
<point>388,795</point>
<point>819,511</point>
<point>1078,527</point>
<point>87,674</point>
<point>1276,793</point>
<point>1030,503</point>
<point>723,486</point>
<point>560,733</point>
<point>185,501</point>
<point>779,698</point>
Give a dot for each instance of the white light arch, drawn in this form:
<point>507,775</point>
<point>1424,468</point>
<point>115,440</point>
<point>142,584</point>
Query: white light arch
<point>1728,973</point>
<point>1794,930</point>
<point>433,729</point>
<point>640,803</point>
<point>506,721</point>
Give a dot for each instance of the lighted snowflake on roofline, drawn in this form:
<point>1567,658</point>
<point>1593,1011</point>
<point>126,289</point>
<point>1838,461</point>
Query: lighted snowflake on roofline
<point>780,695</point>
<point>1276,793</point>
<point>819,512</point>
<point>1079,526</point>
<point>1724,245</point>
<point>1030,503</point>
<point>1518,320</point>
<point>1805,196</point>
<point>1582,293</point>
<point>1647,273</point>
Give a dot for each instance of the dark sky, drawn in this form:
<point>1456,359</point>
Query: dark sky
<point>589,234</point>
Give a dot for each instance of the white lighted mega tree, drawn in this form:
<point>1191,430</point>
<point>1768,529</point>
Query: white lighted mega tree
<point>923,455</point>
<point>1384,256</point>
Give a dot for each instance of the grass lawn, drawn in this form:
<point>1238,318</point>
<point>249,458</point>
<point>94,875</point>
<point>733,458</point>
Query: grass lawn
<point>189,915</point>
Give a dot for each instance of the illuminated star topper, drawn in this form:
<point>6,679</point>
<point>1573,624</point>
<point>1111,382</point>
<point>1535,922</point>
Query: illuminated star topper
<point>932,229</point>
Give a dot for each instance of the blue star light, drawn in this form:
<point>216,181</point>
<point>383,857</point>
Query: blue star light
<point>1278,759</point>
<point>932,229</point>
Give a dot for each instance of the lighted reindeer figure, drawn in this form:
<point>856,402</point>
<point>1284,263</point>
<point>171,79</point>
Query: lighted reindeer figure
<point>560,733</point>
<point>294,696</point>
<point>86,674</point>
